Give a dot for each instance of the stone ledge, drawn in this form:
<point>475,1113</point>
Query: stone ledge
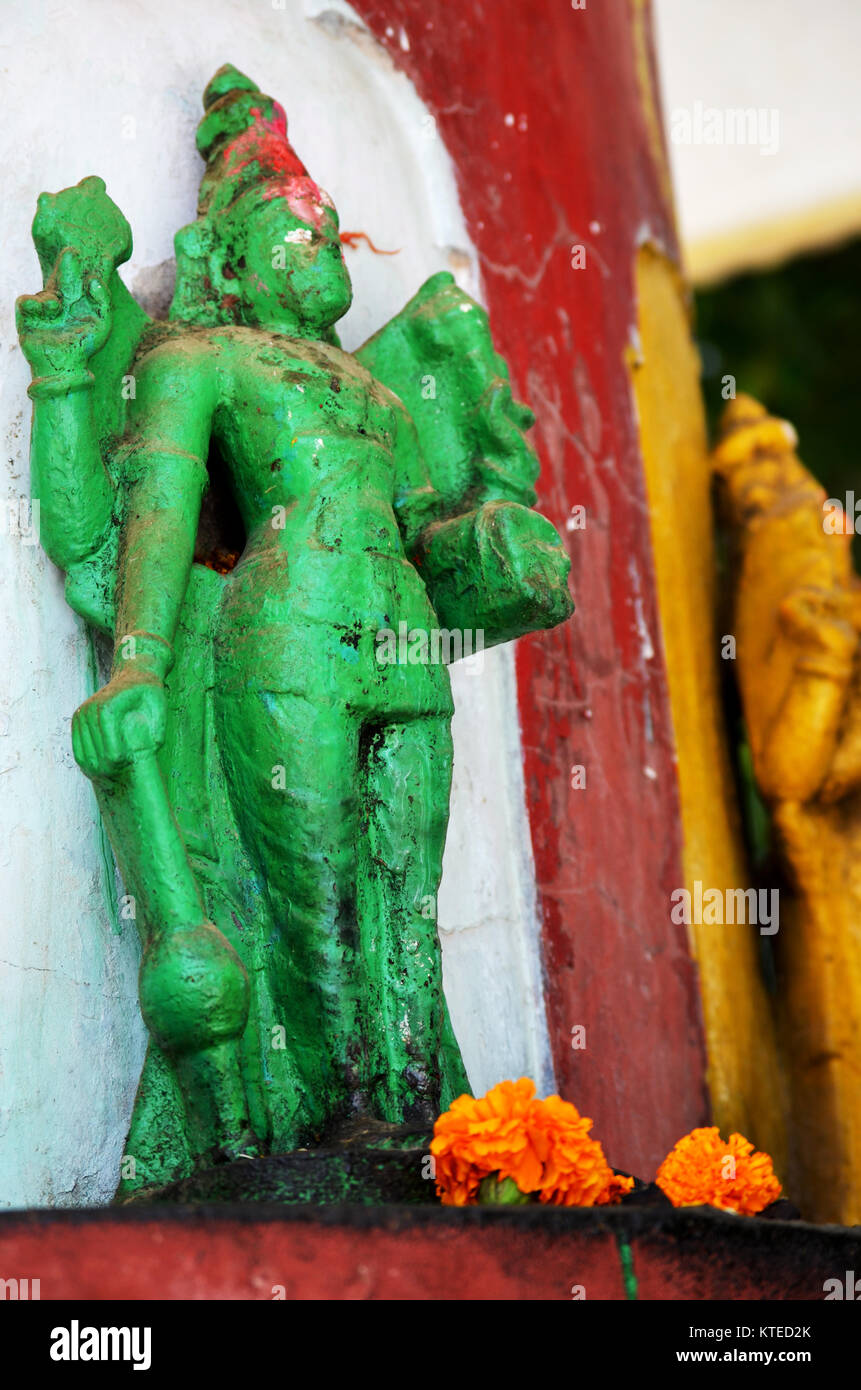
<point>419,1253</point>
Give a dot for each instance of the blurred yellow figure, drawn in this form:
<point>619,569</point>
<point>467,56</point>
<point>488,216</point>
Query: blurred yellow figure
<point>796,620</point>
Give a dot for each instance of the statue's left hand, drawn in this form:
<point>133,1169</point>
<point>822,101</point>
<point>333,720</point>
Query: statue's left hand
<point>62,327</point>
<point>120,723</point>
<point>501,568</point>
<point>532,551</point>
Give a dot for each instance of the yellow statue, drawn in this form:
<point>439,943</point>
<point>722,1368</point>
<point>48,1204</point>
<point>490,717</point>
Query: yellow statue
<point>796,621</point>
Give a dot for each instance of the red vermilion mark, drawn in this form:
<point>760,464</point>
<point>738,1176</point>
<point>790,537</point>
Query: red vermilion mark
<point>266,143</point>
<point>351,238</point>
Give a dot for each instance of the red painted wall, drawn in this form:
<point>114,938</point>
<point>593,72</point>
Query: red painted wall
<point>540,107</point>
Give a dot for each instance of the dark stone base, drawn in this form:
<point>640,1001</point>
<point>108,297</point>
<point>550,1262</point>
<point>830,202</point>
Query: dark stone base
<point>322,1176</point>
<point>366,1162</point>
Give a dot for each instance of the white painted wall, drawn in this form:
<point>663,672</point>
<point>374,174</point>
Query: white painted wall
<point>92,86</point>
<point>739,207</point>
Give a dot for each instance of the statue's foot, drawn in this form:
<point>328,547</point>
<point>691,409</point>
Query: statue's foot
<point>216,1106</point>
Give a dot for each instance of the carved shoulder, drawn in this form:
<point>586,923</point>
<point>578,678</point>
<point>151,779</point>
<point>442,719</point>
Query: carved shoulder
<point>175,396</point>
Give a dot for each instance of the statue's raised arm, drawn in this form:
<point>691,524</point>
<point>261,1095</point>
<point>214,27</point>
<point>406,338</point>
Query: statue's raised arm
<point>79,335</point>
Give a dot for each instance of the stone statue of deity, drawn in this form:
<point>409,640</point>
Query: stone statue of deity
<point>244,509</point>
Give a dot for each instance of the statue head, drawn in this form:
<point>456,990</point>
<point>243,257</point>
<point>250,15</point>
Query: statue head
<point>265,248</point>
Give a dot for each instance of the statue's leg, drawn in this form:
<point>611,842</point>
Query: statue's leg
<point>194,990</point>
<point>291,766</point>
<point>412,1057</point>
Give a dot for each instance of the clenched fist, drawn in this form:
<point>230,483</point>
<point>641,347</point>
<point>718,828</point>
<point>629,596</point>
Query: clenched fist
<point>120,723</point>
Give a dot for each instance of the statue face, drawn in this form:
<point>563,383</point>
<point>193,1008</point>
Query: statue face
<point>286,258</point>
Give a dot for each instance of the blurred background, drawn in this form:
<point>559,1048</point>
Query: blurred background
<point>769,207</point>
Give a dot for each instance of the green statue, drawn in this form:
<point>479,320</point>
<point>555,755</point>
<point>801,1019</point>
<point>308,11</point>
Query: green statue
<point>250,513</point>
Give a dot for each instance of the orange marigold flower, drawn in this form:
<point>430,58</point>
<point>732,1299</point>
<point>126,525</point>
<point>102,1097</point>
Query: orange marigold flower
<point>543,1145</point>
<point>703,1170</point>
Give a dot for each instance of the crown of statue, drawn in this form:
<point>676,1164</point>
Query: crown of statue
<point>243,138</point>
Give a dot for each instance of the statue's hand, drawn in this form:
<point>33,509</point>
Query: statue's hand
<point>120,723</point>
<point>530,550</point>
<point>531,542</point>
<point>501,568</point>
<point>63,326</point>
